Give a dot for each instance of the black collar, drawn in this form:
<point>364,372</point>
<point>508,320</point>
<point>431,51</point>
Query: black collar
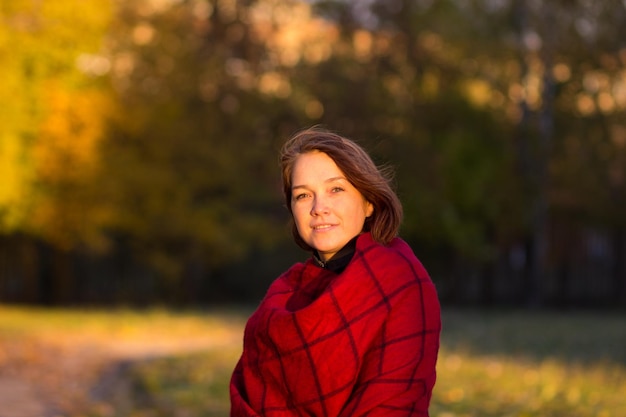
<point>340,260</point>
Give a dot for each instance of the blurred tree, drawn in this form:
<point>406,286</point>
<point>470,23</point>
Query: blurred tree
<point>192,157</point>
<point>501,81</point>
<point>152,127</point>
<point>431,113</point>
<point>49,126</point>
<point>49,133</point>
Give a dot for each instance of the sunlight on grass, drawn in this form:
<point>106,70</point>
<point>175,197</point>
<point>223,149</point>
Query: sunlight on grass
<point>196,385</point>
<point>492,363</point>
<point>122,324</point>
<point>490,386</point>
<point>523,364</point>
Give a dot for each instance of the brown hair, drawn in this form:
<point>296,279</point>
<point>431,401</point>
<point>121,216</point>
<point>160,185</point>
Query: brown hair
<point>371,181</point>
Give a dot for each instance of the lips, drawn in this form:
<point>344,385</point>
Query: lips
<point>321,227</point>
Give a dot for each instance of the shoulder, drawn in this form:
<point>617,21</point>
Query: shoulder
<point>399,272</point>
<point>396,257</point>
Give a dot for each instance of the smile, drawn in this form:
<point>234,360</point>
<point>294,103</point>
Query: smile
<point>323,226</point>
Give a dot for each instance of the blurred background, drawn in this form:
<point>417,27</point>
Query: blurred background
<point>139,143</point>
<point>141,216</point>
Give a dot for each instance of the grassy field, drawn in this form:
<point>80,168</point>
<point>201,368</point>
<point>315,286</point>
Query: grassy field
<point>492,363</point>
<point>531,364</point>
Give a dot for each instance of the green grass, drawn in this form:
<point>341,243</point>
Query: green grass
<point>193,385</point>
<point>492,363</point>
<point>531,364</point>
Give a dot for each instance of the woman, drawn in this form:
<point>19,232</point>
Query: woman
<point>354,330</point>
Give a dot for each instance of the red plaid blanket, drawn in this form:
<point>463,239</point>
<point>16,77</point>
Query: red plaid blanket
<point>363,342</point>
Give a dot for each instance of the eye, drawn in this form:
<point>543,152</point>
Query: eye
<point>299,196</point>
<point>337,190</point>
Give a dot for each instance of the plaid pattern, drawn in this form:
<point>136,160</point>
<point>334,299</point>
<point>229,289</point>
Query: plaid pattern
<point>363,342</point>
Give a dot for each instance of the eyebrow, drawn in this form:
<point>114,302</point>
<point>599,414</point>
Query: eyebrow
<point>329,180</point>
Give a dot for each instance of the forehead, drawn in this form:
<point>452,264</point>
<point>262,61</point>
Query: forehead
<point>314,165</point>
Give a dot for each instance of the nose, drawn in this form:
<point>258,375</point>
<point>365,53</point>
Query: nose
<point>320,207</point>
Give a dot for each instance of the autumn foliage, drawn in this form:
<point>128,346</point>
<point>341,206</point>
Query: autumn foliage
<point>141,137</point>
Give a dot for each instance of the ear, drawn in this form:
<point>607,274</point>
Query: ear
<point>369,209</point>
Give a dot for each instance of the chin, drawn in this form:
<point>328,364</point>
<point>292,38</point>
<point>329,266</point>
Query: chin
<point>323,243</point>
<point>322,249</point>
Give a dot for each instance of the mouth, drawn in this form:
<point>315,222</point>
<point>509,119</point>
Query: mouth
<point>322,227</point>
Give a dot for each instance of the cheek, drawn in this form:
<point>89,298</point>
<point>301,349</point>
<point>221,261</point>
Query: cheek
<point>363,208</point>
<point>298,212</point>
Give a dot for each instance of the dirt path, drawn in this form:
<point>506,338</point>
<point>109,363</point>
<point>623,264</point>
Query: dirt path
<point>62,378</point>
<point>21,399</point>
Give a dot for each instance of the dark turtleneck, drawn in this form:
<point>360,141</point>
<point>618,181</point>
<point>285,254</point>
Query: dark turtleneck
<point>338,262</point>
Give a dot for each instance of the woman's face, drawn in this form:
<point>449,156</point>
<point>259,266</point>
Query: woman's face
<point>328,211</point>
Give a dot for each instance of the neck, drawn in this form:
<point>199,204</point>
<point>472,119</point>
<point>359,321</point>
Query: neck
<point>339,260</point>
